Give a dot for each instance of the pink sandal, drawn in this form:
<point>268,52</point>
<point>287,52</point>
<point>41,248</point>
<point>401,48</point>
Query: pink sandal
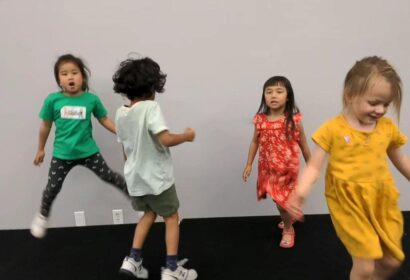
<point>288,243</point>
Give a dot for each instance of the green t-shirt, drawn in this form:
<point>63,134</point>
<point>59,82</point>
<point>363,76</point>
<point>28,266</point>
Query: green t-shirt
<point>72,118</point>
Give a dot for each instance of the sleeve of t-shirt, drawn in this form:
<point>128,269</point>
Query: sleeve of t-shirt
<point>323,136</point>
<point>155,120</point>
<point>397,138</point>
<point>46,112</point>
<point>116,124</point>
<point>99,109</point>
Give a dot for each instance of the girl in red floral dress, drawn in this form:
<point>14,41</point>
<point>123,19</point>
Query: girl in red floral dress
<point>278,135</point>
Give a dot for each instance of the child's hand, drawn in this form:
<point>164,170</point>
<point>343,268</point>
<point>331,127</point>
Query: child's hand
<point>190,134</point>
<point>247,172</point>
<point>294,206</point>
<point>39,157</point>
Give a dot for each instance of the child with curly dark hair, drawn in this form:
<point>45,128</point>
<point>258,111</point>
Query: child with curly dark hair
<point>148,168</point>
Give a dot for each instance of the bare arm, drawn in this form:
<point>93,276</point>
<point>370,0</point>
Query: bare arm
<point>306,181</point>
<point>170,139</point>
<point>45,128</point>
<point>108,124</point>
<point>401,161</point>
<point>304,147</point>
<point>253,148</point>
<point>311,172</point>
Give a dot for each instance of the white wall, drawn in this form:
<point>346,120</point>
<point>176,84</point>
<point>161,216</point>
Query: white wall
<point>217,55</point>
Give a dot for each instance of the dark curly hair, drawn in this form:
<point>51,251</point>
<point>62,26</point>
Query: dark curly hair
<point>76,61</point>
<point>139,78</point>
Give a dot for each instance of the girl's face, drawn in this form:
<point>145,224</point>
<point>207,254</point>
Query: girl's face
<point>373,104</point>
<point>70,77</point>
<point>276,97</point>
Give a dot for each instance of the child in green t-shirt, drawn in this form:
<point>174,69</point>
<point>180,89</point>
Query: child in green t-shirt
<point>71,109</point>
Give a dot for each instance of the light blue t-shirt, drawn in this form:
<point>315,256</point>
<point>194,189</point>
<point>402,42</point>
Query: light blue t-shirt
<point>148,168</point>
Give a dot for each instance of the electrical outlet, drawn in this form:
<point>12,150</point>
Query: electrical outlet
<point>79,217</point>
<point>117,216</point>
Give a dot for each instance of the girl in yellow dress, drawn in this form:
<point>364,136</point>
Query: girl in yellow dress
<point>360,191</point>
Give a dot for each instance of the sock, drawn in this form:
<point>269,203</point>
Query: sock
<point>135,254</point>
<point>172,262</point>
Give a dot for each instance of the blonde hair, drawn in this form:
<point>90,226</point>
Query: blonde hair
<point>360,77</point>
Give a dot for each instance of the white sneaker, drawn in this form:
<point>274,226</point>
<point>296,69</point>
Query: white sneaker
<point>180,273</point>
<point>133,268</point>
<point>39,226</point>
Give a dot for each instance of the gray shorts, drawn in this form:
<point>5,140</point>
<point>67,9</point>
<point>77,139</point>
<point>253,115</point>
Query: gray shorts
<point>165,204</point>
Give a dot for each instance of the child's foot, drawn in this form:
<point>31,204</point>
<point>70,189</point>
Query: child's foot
<point>288,238</point>
<point>133,268</point>
<point>281,224</point>
<point>180,273</point>
<point>38,226</point>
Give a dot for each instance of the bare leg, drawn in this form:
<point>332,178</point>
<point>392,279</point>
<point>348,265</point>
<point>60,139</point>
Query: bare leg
<point>386,267</point>
<point>362,269</point>
<point>172,234</point>
<point>142,229</point>
<point>132,264</point>
<point>287,224</point>
<point>286,218</point>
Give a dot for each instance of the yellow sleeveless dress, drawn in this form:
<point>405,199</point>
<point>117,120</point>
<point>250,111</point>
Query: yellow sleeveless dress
<point>360,190</point>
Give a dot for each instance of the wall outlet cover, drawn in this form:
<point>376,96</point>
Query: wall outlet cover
<point>117,216</point>
<point>79,217</point>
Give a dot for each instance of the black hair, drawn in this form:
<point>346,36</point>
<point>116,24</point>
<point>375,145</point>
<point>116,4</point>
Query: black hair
<point>78,62</point>
<point>139,78</point>
<point>290,107</point>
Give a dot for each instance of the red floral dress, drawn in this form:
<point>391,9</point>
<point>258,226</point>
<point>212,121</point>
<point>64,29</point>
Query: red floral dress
<point>278,165</point>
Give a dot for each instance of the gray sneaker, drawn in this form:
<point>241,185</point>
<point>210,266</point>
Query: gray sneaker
<point>133,268</point>
<point>180,273</point>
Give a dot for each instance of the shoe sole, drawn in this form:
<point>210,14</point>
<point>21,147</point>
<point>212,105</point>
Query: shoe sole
<point>37,235</point>
<point>127,273</point>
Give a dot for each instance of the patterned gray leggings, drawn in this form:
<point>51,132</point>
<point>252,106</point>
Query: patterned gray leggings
<point>59,169</point>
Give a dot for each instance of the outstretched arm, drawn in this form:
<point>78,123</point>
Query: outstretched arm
<point>401,161</point>
<point>170,139</point>
<point>253,148</point>
<point>45,128</point>
<point>108,124</point>
<point>306,181</point>
<point>304,147</point>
